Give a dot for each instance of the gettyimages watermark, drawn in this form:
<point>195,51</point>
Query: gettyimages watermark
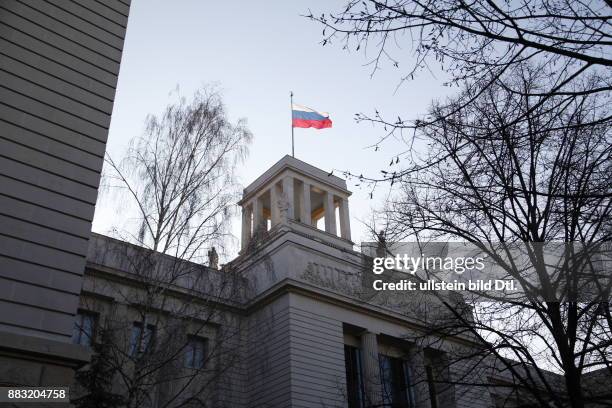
<point>523,271</point>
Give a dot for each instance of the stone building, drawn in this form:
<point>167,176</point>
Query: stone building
<point>294,321</point>
<point>300,319</point>
<point>59,62</point>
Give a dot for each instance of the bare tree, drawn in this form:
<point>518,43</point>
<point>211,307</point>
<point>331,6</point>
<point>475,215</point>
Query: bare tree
<point>477,42</point>
<point>521,154</point>
<point>499,174</point>
<point>170,337</point>
<point>180,174</point>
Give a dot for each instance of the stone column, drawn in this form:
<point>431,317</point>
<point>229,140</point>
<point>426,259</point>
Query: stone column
<point>306,211</point>
<point>257,214</point>
<point>246,226</point>
<point>330,213</point>
<point>288,191</point>
<point>371,369</point>
<point>274,210</point>
<point>420,386</point>
<point>345,220</point>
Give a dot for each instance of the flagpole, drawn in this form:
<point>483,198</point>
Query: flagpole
<point>292,138</point>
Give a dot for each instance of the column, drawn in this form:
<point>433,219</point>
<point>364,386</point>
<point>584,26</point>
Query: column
<point>306,210</point>
<point>371,369</point>
<point>288,191</point>
<point>246,227</point>
<point>345,220</point>
<point>419,377</point>
<point>257,214</point>
<point>274,210</point>
<point>330,213</point>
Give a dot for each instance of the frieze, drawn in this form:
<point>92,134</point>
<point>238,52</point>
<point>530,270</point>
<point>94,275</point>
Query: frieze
<point>357,284</point>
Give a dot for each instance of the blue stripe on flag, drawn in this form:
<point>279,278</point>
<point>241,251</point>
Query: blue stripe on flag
<point>307,115</point>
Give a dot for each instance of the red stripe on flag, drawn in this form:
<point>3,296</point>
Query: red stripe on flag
<point>317,124</point>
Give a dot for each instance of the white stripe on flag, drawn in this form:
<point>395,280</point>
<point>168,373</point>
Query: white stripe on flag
<point>302,108</point>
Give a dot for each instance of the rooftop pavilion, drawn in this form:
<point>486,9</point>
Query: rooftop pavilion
<point>296,194</point>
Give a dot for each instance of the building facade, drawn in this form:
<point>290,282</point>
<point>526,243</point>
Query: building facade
<point>298,326</point>
<point>59,62</point>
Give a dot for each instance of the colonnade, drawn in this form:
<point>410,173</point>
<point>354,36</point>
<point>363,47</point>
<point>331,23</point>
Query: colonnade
<point>291,198</point>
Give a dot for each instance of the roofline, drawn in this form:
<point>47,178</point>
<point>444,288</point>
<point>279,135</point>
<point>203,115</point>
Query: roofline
<point>299,166</point>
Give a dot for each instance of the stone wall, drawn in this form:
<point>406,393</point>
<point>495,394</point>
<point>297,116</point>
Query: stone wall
<point>59,63</point>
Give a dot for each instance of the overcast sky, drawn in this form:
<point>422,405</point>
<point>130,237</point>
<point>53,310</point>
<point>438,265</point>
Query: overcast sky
<point>257,52</point>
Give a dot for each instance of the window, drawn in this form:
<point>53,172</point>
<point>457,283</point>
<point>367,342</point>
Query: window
<point>84,328</point>
<point>354,377</point>
<point>142,342</point>
<point>195,352</point>
<point>395,382</point>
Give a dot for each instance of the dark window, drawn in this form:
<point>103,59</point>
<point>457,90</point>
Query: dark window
<point>84,328</point>
<point>354,376</point>
<point>141,342</point>
<point>195,352</point>
<point>395,382</point>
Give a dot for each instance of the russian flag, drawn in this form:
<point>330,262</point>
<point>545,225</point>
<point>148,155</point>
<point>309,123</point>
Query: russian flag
<point>303,117</point>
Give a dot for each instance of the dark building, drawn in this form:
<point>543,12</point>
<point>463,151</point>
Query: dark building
<point>59,61</point>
